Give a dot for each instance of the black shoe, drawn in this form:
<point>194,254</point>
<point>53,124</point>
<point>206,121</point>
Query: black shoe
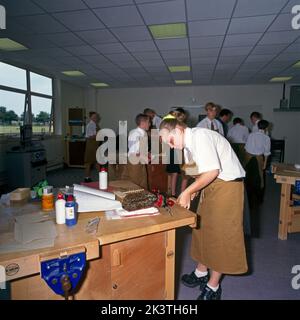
<point>209,294</point>
<point>192,281</point>
<point>87,180</point>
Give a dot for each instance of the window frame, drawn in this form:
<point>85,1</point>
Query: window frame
<point>28,94</point>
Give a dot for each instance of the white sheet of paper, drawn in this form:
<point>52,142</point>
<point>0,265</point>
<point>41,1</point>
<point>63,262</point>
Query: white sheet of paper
<point>95,192</point>
<point>88,202</point>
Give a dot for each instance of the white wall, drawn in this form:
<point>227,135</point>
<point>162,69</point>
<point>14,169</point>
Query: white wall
<point>125,104</point>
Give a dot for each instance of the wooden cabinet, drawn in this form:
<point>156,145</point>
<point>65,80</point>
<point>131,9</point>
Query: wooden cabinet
<point>131,269</point>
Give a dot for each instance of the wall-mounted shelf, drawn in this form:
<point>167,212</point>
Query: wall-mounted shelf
<point>286,109</point>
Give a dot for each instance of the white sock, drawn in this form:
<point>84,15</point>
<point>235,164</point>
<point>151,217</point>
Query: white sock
<point>200,274</point>
<point>213,288</point>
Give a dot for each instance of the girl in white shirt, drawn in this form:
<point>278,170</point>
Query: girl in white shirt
<point>218,244</point>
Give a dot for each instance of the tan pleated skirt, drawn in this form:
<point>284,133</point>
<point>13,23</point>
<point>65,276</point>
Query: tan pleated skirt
<point>219,242</point>
<point>90,150</point>
<point>136,173</point>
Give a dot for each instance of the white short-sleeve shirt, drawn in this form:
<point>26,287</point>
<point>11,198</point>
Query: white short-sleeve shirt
<point>206,123</point>
<point>134,139</point>
<point>211,151</point>
<point>258,143</point>
<point>238,134</point>
<point>91,129</point>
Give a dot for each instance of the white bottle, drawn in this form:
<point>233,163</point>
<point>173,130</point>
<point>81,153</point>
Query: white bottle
<point>103,179</point>
<point>60,209</point>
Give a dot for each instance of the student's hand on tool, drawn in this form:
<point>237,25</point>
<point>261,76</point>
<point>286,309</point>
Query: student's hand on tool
<point>194,195</point>
<point>184,200</point>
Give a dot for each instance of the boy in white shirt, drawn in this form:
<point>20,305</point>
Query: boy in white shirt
<point>210,122</point>
<point>91,144</point>
<point>135,170</point>
<point>255,117</point>
<point>237,136</point>
<point>218,244</point>
<point>258,148</point>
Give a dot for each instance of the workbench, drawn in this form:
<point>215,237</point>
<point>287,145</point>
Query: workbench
<point>131,258</point>
<point>289,216</point>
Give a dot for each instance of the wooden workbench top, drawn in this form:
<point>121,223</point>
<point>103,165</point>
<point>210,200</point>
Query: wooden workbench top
<point>109,231</point>
<point>285,169</point>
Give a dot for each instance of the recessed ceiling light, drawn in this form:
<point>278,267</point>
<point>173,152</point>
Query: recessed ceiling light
<point>167,31</point>
<point>179,68</point>
<point>280,79</point>
<point>183,81</point>
<point>297,64</point>
<point>100,84</point>
<point>7,44</point>
<point>73,73</point>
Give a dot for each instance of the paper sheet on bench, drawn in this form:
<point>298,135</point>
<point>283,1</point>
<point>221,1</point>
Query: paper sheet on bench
<point>95,192</point>
<point>29,234</point>
<point>89,199</point>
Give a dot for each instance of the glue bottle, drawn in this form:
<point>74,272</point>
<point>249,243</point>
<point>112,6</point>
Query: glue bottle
<point>103,178</point>
<point>71,216</point>
<point>60,209</point>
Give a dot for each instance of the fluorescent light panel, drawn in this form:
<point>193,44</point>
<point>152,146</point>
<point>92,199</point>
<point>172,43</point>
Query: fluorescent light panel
<point>99,84</point>
<point>73,73</point>
<point>179,68</point>
<point>297,64</point>
<point>183,81</point>
<point>167,31</point>
<point>280,79</point>
<point>7,44</point>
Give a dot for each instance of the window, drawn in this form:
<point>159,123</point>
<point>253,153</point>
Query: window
<point>11,112</point>
<point>40,84</point>
<point>15,98</point>
<point>11,76</point>
<point>41,114</point>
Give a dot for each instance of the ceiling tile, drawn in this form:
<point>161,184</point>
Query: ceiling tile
<point>20,8</point>
<point>282,23</point>
<point>119,16</point>
<point>294,48</point>
<point>290,5</point>
<point>292,57</point>
<point>208,27</point>
<point>61,5</point>
<point>280,37</point>
<point>208,60</point>
<point>140,46</point>
<point>203,53</point>
<point>173,44</point>
<point>147,55</point>
<point>225,67</point>
<point>95,59</point>
<point>152,63</point>
<point>136,33</point>
<point>97,36</point>
<point>177,61</point>
<point>235,51</point>
<point>212,9</point>
<point>260,58</point>
<point>269,49</point>
<point>173,54</point>
<point>34,41</point>
<point>51,52</point>
<point>42,23</point>
<point>163,12</point>
<point>107,48</point>
<point>79,20</point>
<point>250,24</point>
<point>73,61</point>
<point>82,50</point>
<point>120,57</point>
<point>232,59</point>
<point>107,3</point>
<point>206,42</point>
<point>239,40</point>
<point>127,64</point>
<point>247,8</point>
<point>65,39</point>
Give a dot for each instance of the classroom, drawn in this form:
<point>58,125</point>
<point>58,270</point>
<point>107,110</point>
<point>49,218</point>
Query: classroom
<point>149,150</point>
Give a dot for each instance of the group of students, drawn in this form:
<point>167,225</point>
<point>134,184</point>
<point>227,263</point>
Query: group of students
<point>218,241</point>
